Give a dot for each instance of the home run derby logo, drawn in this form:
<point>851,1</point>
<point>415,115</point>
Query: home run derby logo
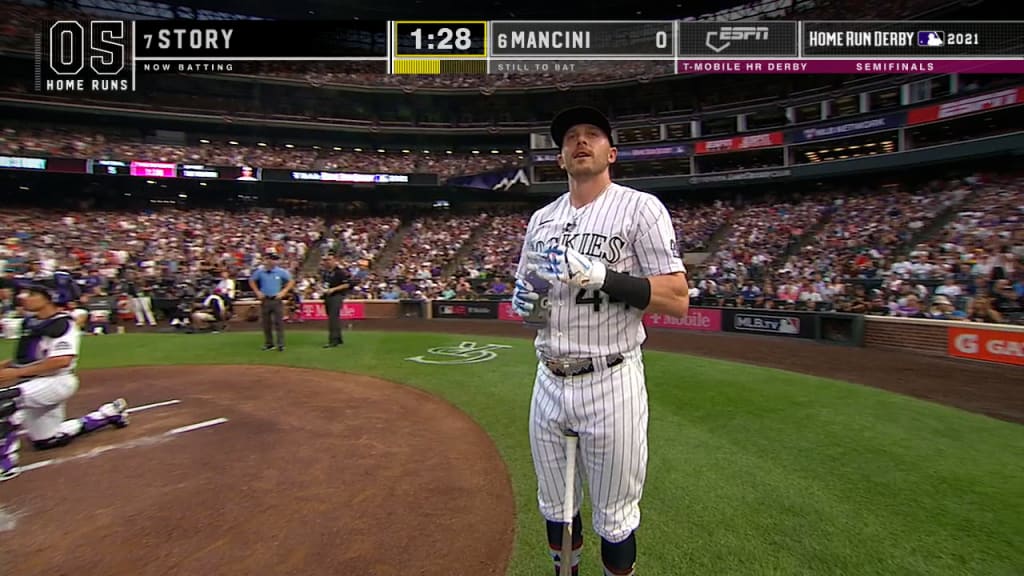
<point>464,353</point>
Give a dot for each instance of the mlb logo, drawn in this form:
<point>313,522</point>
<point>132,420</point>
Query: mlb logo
<point>789,325</point>
<point>931,38</point>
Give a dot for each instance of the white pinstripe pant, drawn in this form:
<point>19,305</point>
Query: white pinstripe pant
<point>608,409</point>
<point>43,402</point>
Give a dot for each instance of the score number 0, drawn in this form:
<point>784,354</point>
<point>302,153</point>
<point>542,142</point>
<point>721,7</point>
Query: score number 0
<point>460,39</point>
<point>661,40</point>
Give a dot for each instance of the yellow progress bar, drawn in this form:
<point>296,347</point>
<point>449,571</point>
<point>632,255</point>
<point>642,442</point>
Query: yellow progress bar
<point>417,67</point>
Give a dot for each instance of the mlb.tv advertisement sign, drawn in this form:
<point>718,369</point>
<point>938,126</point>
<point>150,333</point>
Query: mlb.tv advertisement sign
<point>770,323</point>
<point>477,309</point>
<point>1002,346</point>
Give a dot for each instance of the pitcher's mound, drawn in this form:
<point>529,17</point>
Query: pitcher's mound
<point>314,473</point>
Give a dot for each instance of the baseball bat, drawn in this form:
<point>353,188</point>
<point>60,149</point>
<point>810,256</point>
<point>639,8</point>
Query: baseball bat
<point>9,393</point>
<point>571,438</point>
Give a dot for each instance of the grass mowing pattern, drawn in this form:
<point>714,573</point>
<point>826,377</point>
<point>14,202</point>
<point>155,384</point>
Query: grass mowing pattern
<point>752,471</point>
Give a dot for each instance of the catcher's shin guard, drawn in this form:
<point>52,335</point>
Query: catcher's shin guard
<point>110,414</point>
<point>10,423</point>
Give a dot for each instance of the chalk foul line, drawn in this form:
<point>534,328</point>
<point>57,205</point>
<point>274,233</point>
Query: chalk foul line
<point>196,426</point>
<point>138,442</point>
<point>151,406</point>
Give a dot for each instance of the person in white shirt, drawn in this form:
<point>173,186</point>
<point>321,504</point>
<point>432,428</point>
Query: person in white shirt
<point>809,296</point>
<point>226,290</point>
<point>949,289</point>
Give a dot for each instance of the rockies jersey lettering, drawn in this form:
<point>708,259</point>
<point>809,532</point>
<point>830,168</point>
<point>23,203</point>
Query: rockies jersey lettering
<point>48,338</point>
<point>631,232</point>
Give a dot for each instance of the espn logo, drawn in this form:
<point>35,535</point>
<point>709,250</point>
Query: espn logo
<point>729,33</point>
<point>990,345</point>
<point>743,33</point>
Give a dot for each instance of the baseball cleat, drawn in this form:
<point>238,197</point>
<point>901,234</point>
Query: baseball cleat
<point>121,420</point>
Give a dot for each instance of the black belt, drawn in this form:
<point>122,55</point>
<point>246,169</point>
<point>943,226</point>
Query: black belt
<point>564,368</point>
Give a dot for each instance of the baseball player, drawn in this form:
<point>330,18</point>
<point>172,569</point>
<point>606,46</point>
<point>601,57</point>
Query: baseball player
<point>210,314</point>
<point>608,253</point>
<point>43,377</point>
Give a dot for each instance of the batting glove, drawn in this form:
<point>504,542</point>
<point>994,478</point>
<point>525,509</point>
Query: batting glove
<point>523,298</point>
<point>570,267</point>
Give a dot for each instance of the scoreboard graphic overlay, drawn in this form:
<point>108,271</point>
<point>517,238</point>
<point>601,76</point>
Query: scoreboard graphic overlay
<point>111,55</point>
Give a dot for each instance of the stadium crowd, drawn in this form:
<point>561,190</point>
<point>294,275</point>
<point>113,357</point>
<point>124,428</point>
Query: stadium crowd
<point>496,251</point>
<point>80,143</point>
<point>876,252</point>
<point>948,250</point>
<point>360,239</point>
<point>152,255</point>
<point>869,251</point>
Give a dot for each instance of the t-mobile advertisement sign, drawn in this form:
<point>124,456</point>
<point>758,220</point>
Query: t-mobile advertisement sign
<point>317,310</point>
<point>699,319</point>
<point>154,169</point>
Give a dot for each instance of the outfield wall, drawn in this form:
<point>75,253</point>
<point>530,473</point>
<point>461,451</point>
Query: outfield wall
<point>1000,343</point>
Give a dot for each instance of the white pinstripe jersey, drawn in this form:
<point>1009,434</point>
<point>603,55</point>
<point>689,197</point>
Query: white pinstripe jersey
<point>631,232</point>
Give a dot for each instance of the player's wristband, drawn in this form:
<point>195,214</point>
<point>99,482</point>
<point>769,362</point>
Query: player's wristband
<point>630,289</point>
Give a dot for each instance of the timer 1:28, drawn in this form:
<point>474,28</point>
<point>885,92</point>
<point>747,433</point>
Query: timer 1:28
<point>444,39</point>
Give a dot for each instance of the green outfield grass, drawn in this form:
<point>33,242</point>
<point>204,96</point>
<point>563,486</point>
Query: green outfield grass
<point>752,471</point>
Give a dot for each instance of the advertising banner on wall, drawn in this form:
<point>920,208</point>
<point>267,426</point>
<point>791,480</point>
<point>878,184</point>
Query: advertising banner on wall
<point>22,163</point>
<point>204,172</point>
<point>317,310</point>
<point>629,154</point>
<point>770,323</point>
<point>475,309</point>
<point>843,129</point>
<point>1002,346</point>
<point>965,106</point>
<point>338,177</point>
<point>153,169</point>
<point>505,312</point>
<point>699,319</point>
<point>739,143</point>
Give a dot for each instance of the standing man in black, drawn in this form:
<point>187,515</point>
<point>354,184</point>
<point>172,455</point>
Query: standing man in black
<point>338,281</point>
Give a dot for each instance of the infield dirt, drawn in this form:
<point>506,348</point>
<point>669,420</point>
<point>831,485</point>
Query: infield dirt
<point>315,473</point>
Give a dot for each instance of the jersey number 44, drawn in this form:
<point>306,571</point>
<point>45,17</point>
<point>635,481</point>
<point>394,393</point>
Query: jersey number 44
<point>596,298</point>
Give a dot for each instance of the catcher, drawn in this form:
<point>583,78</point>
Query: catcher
<point>42,378</point>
